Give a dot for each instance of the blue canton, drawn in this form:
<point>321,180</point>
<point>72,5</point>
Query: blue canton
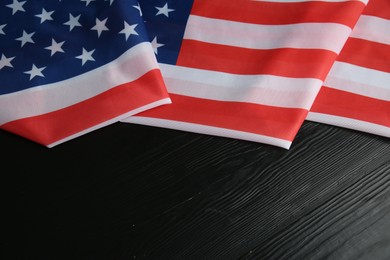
<point>43,42</point>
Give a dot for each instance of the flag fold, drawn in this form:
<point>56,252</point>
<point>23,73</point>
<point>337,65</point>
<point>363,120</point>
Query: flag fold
<point>244,69</point>
<point>356,92</point>
<point>70,67</point>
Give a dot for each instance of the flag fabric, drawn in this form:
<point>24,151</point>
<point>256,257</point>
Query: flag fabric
<point>356,92</point>
<point>70,67</point>
<point>244,69</point>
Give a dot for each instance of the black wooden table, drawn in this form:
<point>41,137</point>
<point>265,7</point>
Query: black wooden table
<point>136,192</point>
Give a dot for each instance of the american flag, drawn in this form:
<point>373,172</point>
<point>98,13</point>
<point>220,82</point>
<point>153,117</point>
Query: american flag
<point>249,70</point>
<point>244,69</point>
<point>69,67</point>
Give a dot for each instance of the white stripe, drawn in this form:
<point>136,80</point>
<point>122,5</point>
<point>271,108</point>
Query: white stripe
<point>113,120</point>
<point>298,1</point>
<point>258,89</point>
<point>327,36</point>
<point>349,123</point>
<point>208,130</point>
<point>47,98</point>
<point>372,28</point>
<point>359,80</point>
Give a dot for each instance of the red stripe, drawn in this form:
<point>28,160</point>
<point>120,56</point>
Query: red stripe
<point>367,54</point>
<point>300,63</point>
<point>261,12</point>
<point>379,8</point>
<point>271,121</point>
<point>51,127</point>
<point>350,105</point>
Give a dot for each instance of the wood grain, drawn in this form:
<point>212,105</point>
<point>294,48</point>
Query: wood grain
<point>136,192</point>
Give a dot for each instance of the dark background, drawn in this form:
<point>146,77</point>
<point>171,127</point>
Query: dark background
<point>137,192</point>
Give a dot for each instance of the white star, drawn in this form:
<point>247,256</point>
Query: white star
<point>111,1</point>
<point>87,1</point>
<point>45,15</point>
<point>164,10</point>
<point>17,6</point>
<point>25,38</point>
<point>100,26</point>
<point>35,71</point>
<point>5,62</point>
<point>86,56</point>
<point>138,8</point>
<point>55,47</point>
<point>1,28</point>
<point>73,21</point>
<point>129,30</point>
<point>156,45</point>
